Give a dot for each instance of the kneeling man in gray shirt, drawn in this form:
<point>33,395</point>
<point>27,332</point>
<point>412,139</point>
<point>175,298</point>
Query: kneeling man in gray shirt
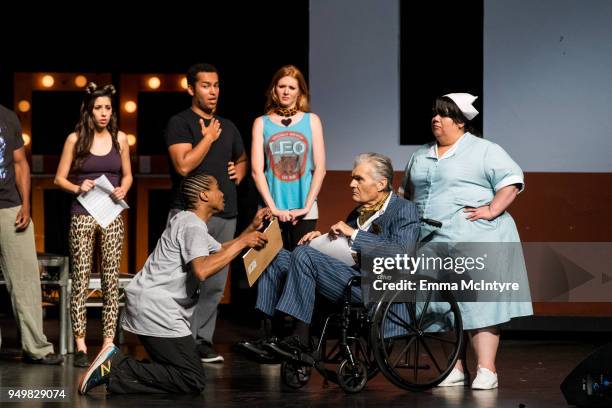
<point>161,297</point>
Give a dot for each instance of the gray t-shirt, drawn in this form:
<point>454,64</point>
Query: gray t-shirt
<point>161,297</point>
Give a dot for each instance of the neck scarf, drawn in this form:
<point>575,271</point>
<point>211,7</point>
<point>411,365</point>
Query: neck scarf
<point>366,212</point>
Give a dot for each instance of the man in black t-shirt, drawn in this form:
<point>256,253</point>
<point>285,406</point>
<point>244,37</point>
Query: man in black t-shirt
<point>17,250</point>
<point>200,142</point>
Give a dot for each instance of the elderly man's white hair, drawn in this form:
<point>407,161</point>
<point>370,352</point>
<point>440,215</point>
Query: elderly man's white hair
<point>381,166</point>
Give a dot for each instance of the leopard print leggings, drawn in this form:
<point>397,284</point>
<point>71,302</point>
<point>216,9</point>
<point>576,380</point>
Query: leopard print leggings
<point>83,231</point>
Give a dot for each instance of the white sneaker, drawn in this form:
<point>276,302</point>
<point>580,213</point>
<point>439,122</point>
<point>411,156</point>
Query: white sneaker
<point>455,378</point>
<point>485,379</point>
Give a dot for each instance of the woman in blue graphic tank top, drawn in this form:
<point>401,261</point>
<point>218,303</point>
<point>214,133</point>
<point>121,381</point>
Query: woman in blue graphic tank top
<point>288,155</point>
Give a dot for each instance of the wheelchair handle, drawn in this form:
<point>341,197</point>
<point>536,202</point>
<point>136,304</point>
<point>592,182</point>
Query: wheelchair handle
<point>431,222</point>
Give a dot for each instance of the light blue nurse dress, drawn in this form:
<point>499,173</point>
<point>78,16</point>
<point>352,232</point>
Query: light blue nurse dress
<point>468,175</point>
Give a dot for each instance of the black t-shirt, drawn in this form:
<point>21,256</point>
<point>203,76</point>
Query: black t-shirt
<point>10,140</point>
<point>184,127</point>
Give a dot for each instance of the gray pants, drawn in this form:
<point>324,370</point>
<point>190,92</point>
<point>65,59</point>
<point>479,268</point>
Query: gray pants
<point>204,316</point>
<point>20,269</point>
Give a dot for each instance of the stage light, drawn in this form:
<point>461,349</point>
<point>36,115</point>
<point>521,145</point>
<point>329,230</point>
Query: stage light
<point>130,106</point>
<point>131,139</point>
<point>80,81</point>
<point>184,83</point>
<point>154,82</point>
<point>23,106</point>
<point>26,139</point>
<point>48,81</point>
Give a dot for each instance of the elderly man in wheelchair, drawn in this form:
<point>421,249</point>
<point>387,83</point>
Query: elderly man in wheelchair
<point>291,281</point>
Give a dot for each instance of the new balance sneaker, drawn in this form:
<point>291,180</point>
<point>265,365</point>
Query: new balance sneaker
<point>98,372</point>
<point>208,355</point>
<point>456,378</point>
<point>485,379</point>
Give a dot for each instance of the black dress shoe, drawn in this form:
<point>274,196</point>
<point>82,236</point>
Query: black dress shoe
<point>255,351</point>
<point>49,359</point>
<point>290,348</point>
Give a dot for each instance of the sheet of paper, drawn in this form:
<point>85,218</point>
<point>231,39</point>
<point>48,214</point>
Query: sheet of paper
<point>99,203</point>
<point>336,248</point>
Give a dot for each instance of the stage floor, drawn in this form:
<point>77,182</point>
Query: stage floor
<point>530,371</point>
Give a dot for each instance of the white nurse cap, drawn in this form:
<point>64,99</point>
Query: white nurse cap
<point>464,102</point>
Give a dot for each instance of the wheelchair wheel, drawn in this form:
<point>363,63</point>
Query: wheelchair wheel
<point>331,356</point>
<point>427,335</point>
<point>294,375</point>
<point>352,377</point>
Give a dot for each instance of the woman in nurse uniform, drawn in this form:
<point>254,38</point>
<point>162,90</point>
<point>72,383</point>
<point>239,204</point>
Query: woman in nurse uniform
<point>467,183</point>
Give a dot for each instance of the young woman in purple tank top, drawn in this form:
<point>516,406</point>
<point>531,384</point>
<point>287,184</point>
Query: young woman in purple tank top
<point>95,148</point>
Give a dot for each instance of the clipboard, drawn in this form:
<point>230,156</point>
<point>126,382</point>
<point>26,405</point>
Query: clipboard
<point>257,260</point>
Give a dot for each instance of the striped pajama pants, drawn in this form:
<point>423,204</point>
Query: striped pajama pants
<point>290,282</point>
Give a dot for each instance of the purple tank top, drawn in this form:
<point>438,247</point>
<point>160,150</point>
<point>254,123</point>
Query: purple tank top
<point>93,167</point>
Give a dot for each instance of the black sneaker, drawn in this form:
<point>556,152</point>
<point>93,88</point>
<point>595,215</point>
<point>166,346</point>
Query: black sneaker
<point>208,355</point>
<point>99,370</point>
<point>49,359</point>
<point>80,359</point>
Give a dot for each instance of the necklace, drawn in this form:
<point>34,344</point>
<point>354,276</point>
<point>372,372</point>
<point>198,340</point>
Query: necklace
<point>286,113</point>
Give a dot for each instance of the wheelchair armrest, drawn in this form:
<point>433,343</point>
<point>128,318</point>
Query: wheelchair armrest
<point>354,281</point>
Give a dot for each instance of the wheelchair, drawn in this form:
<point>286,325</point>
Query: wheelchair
<point>412,345</point>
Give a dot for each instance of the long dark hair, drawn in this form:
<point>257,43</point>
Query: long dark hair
<point>445,107</point>
<point>303,100</point>
<point>85,127</point>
